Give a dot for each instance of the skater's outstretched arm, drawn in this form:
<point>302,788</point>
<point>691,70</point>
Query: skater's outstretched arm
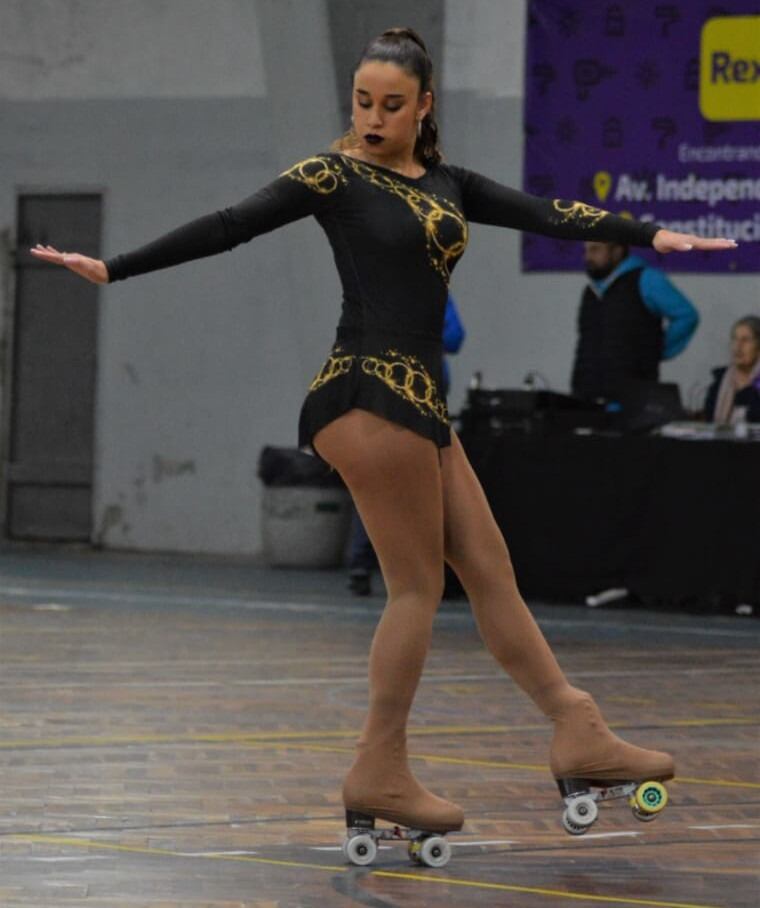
<point>306,188</point>
<point>488,202</point>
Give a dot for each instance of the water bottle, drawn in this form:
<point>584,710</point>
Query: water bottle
<point>739,422</point>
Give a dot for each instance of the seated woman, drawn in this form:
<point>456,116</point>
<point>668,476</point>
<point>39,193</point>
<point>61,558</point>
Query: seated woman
<point>737,385</point>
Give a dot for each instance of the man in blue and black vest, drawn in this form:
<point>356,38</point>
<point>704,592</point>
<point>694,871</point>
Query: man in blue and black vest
<point>630,318</point>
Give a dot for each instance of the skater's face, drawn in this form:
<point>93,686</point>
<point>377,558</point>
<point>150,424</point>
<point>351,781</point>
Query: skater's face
<point>387,103</point>
<point>745,347</point>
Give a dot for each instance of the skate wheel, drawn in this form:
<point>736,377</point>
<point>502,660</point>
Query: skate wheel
<point>582,811</point>
<point>572,828</point>
<point>650,798</point>
<point>643,817</point>
<point>435,851</point>
<point>360,849</point>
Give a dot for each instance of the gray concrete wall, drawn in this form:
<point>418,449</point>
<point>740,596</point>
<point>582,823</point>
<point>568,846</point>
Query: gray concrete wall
<point>75,49</point>
<point>199,366</point>
<point>179,108</point>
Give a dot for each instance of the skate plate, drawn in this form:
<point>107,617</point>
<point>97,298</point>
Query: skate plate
<point>360,845</point>
<point>582,797</point>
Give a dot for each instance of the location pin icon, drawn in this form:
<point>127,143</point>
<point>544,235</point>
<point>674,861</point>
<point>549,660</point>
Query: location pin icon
<point>602,184</point>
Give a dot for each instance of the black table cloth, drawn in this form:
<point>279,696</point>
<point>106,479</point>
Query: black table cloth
<point>676,522</point>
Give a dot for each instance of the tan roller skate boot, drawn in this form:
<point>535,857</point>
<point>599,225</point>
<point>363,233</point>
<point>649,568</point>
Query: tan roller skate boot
<point>591,764</point>
<point>380,786</point>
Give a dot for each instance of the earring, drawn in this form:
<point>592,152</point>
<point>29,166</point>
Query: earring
<point>419,127</point>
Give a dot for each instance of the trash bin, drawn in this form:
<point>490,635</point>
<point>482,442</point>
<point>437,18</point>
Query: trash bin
<point>306,510</point>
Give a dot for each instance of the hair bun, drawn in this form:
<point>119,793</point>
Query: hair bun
<point>405,32</point>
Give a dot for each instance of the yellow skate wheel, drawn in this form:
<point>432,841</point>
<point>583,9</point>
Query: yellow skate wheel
<point>414,851</point>
<point>650,798</point>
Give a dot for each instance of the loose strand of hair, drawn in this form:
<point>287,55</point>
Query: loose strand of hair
<point>426,148</point>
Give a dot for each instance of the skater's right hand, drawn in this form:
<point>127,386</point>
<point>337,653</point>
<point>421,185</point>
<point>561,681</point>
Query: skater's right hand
<point>91,269</point>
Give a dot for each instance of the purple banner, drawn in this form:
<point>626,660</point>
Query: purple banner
<point>650,109</point>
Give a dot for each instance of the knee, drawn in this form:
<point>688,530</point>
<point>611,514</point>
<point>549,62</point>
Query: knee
<point>424,586</point>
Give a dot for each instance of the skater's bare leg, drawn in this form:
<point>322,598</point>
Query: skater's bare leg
<point>475,548</point>
<point>394,478</point>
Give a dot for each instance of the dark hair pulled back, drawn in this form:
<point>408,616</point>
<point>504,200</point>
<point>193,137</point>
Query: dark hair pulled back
<point>406,49</point>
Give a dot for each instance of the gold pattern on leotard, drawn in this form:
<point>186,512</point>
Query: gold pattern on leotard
<point>333,367</point>
<point>320,174</point>
<point>433,212</point>
<point>582,214</point>
<point>405,375</point>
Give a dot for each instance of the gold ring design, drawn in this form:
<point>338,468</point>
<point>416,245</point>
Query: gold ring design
<point>405,375</point>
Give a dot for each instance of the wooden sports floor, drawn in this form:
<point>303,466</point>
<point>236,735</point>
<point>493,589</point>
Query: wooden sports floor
<point>173,732</point>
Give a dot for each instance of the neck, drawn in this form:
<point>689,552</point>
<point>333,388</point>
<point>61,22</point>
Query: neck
<point>404,162</point>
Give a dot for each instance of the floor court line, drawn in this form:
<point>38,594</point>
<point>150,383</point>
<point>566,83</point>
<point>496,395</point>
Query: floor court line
<point>285,740</point>
<point>350,733</point>
<point>559,893</point>
<point>159,597</point>
<point>359,680</point>
<point>532,767</point>
<point>462,761</point>
<point>71,841</point>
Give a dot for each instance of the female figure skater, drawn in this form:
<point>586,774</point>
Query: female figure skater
<point>396,218</point>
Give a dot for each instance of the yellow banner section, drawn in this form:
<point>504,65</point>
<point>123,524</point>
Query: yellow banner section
<point>729,68</point>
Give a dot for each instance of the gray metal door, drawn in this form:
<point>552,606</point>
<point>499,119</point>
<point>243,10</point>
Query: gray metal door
<point>52,394</point>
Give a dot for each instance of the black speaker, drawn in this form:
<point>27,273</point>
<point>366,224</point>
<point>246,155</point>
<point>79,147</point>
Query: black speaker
<point>501,411</point>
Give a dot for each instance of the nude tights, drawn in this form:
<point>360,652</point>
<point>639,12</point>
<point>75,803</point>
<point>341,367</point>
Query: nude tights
<point>419,510</point>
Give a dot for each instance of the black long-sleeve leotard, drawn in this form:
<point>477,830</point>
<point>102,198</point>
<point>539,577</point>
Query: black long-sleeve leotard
<point>395,240</point>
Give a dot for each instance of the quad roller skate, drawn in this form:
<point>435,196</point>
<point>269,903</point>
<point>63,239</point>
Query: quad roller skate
<point>591,764</point>
<point>581,797</point>
<point>380,786</point>
<point>361,843</point>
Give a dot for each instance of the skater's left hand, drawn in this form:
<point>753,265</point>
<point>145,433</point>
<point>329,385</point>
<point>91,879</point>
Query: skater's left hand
<point>669,241</point>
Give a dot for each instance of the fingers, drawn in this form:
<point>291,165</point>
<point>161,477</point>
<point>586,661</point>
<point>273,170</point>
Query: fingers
<point>91,269</point>
<point>55,257</point>
<point>703,245</point>
<point>700,243</point>
<point>47,255</point>
<point>669,241</point>
<point>47,250</point>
